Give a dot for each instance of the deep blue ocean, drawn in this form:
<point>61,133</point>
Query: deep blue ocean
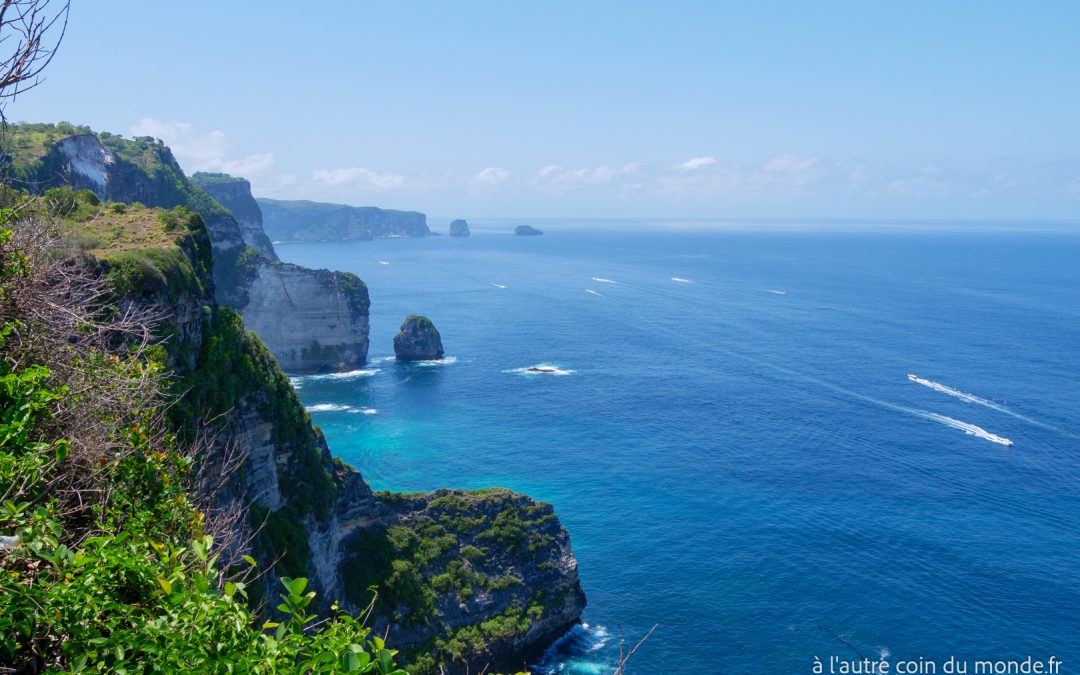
<point>734,443</point>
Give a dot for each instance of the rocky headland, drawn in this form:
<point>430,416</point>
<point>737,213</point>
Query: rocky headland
<point>466,579</point>
<point>311,320</point>
<point>303,220</point>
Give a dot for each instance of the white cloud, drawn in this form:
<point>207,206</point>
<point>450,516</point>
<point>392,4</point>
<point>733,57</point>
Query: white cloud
<point>555,177</point>
<point>359,176</point>
<point>697,163</point>
<point>789,163</point>
<point>201,152</point>
<point>493,175</point>
<point>250,165</point>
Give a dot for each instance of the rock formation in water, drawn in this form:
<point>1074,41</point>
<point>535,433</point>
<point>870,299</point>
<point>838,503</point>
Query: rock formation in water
<point>418,340</point>
<point>311,320</point>
<point>315,221</point>
<point>527,231</point>
<point>459,228</point>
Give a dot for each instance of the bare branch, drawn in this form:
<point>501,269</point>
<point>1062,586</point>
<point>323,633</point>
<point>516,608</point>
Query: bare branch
<point>32,30</point>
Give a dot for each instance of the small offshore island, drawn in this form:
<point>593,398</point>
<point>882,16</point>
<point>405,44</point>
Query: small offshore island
<point>527,231</point>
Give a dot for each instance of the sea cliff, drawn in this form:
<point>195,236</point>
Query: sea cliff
<point>466,579</point>
<point>311,320</point>
<point>316,221</point>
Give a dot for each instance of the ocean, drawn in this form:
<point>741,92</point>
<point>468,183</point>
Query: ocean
<point>777,445</point>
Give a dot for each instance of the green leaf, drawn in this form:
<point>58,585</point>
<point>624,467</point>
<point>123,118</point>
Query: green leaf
<point>165,585</point>
<point>297,586</point>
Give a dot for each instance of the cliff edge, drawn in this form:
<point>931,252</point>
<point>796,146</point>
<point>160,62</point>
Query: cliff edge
<point>466,579</point>
<point>311,320</point>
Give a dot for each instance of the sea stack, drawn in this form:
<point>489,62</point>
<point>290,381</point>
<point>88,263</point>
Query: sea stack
<point>459,228</point>
<point>527,231</point>
<point>418,340</point>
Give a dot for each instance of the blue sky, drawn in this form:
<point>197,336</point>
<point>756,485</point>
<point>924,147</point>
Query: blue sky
<point>562,109</point>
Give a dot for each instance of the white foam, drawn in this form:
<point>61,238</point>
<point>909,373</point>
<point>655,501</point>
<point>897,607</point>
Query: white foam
<point>966,398</point>
<point>541,369</point>
<point>365,411</point>
<point>329,407</point>
<point>969,429</point>
<point>589,290</point>
<point>445,361</point>
<point>384,262</point>
<point>681,280</point>
<point>497,285</point>
<point>605,281</point>
<point>297,381</point>
<point>978,400</point>
<point>769,290</point>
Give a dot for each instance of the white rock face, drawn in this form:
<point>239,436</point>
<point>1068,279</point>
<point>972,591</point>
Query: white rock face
<point>88,162</point>
<point>309,319</point>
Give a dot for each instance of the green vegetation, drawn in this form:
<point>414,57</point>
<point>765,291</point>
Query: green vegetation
<point>444,549</point>
<point>477,639</point>
<point>105,564</point>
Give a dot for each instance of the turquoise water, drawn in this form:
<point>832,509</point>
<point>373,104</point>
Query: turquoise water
<point>735,447</point>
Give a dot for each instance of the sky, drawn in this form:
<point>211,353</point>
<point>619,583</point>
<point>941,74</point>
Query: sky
<point>848,110</point>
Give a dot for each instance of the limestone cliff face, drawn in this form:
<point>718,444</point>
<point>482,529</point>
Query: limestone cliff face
<point>312,320</point>
<point>315,221</point>
<point>235,195</point>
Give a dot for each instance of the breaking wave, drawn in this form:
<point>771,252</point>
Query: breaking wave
<point>445,361</point>
<point>681,280</point>
<point>298,380</point>
<point>541,369</point>
<point>340,407</point>
<point>328,407</point>
<point>576,652</point>
<point>769,290</point>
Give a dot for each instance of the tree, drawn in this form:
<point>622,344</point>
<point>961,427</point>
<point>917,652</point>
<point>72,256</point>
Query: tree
<point>30,33</point>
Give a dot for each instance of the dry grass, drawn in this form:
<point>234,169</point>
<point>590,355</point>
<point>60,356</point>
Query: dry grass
<point>109,232</point>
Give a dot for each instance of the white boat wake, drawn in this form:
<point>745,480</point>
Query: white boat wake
<point>969,429</point>
<point>589,290</point>
<point>496,285</point>
<point>978,400</point>
<point>769,290</point>
<point>681,280</point>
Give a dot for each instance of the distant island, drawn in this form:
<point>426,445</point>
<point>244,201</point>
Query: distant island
<point>304,220</point>
<point>459,228</point>
<point>527,231</point>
